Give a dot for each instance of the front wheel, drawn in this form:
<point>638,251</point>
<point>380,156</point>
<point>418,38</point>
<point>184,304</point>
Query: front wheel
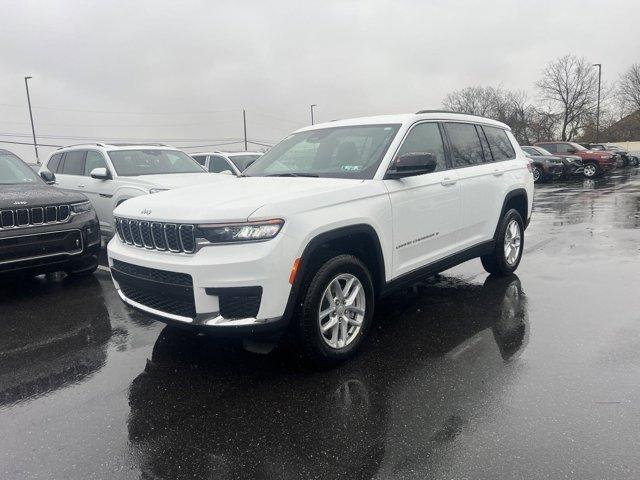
<point>509,244</point>
<point>633,161</point>
<point>538,177</point>
<point>336,311</point>
<point>590,170</point>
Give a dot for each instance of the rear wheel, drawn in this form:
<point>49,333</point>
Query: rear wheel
<point>505,258</point>
<point>590,170</point>
<point>633,161</point>
<point>336,310</point>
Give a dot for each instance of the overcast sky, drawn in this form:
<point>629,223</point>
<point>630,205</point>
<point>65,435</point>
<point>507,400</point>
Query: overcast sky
<point>182,71</point>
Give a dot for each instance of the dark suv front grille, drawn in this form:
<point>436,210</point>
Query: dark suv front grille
<point>176,238</point>
<point>162,290</point>
<point>28,217</point>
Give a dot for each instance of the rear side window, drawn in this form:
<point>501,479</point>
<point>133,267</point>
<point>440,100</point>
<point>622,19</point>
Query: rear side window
<point>74,163</point>
<point>425,138</point>
<point>466,149</point>
<point>218,164</point>
<point>499,144</point>
<point>201,159</point>
<point>564,148</point>
<point>53,163</point>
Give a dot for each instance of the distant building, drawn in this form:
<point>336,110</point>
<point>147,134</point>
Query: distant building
<point>626,129</point>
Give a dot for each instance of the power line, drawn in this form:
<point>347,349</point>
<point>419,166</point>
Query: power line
<point>30,144</point>
<point>41,107</point>
<point>119,139</point>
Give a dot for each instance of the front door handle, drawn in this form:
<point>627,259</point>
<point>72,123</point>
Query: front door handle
<point>80,185</point>
<point>497,172</point>
<point>446,181</point>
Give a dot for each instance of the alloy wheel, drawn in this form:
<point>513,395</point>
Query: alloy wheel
<point>590,170</point>
<point>536,174</point>
<point>342,311</point>
<point>512,242</point>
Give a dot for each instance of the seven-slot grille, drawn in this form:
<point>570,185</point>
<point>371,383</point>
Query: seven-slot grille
<point>172,237</point>
<point>28,217</point>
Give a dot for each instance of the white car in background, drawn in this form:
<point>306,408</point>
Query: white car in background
<point>226,162</point>
<point>109,174</point>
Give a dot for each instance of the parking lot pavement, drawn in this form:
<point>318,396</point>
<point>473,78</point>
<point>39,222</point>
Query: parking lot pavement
<point>463,376</point>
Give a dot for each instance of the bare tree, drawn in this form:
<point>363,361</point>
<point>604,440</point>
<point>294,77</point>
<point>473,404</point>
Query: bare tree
<point>475,100</point>
<point>570,83</point>
<point>629,88</point>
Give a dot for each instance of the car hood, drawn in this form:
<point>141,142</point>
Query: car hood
<point>27,196</point>
<point>239,197</point>
<point>178,180</point>
<point>545,157</point>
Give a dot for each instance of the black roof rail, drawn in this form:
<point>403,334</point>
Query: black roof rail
<point>152,144</point>
<point>81,145</point>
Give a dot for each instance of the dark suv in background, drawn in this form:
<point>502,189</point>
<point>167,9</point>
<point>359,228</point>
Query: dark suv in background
<point>625,158</point>
<point>43,229</point>
<point>571,164</point>
<point>595,163</point>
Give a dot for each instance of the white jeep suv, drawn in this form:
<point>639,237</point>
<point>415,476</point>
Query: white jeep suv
<point>109,174</point>
<point>326,222</point>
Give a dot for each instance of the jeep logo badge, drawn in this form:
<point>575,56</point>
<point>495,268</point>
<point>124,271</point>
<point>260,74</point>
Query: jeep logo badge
<point>146,211</point>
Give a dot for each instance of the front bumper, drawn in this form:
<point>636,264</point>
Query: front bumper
<point>72,246</point>
<point>239,289</point>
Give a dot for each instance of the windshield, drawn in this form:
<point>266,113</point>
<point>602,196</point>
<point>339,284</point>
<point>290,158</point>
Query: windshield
<point>542,151</point>
<point>577,147</point>
<point>244,161</point>
<point>129,163</point>
<point>337,152</point>
<point>14,171</point>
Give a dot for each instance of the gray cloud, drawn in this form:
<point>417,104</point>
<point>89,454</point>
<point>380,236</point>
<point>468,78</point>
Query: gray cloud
<point>276,58</point>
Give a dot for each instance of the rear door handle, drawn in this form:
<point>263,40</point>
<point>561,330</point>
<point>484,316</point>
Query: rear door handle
<point>497,172</point>
<point>446,181</point>
<point>80,185</point>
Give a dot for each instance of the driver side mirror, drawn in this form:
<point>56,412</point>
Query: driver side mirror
<point>48,177</point>
<point>100,173</point>
<point>412,164</point>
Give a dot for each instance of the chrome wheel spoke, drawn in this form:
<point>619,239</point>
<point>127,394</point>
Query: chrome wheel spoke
<point>329,325</point>
<point>355,310</point>
<point>328,311</point>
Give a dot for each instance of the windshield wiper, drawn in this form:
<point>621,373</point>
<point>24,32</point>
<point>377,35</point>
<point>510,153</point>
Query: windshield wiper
<point>314,175</point>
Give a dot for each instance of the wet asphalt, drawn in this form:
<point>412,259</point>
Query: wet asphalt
<point>464,376</point>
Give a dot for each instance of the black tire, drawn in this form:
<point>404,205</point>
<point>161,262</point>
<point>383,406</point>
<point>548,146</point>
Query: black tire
<point>496,262</point>
<point>308,336</point>
<point>634,161</point>
<point>538,176</point>
<point>591,166</point>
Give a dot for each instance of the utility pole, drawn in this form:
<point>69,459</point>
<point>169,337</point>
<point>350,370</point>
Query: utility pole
<point>599,65</point>
<point>244,121</point>
<point>33,130</point>
<point>314,105</point>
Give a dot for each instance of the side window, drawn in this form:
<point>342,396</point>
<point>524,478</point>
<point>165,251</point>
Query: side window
<point>499,143</point>
<point>549,147</point>
<point>466,149</point>
<point>74,163</point>
<point>93,160</point>
<point>485,145</point>
<point>53,163</point>
<point>562,147</point>
<point>201,159</point>
<point>425,138</point>
<point>218,164</point>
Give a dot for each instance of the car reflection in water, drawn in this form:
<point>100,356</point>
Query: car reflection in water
<point>440,353</point>
<point>54,334</point>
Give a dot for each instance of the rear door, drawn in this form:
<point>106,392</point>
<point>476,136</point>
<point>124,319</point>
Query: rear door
<point>71,170</point>
<point>479,181</point>
<point>426,208</point>
<point>100,192</point>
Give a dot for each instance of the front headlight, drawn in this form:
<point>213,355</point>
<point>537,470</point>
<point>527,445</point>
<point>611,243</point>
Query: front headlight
<point>241,232</point>
<point>81,207</point>
<point>157,190</point>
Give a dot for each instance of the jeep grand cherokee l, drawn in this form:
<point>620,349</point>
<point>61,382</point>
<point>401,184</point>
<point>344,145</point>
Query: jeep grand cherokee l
<point>326,222</point>
<point>595,163</point>
<point>43,229</point>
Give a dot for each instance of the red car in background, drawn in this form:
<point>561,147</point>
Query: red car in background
<point>595,163</point>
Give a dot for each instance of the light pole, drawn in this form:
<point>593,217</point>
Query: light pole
<point>33,130</point>
<point>244,123</point>
<point>599,65</point>
<point>314,105</point>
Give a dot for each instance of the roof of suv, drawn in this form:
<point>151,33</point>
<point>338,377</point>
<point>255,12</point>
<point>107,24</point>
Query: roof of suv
<point>408,118</point>
<point>226,154</point>
<point>117,146</point>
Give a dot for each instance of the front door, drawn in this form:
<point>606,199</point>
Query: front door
<point>99,191</point>
<point>426,208</point>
